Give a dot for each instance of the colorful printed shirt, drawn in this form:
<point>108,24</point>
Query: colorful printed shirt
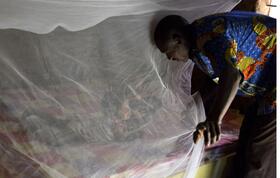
<point>244,39</point>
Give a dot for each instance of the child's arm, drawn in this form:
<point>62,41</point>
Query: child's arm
<point>227,89</point>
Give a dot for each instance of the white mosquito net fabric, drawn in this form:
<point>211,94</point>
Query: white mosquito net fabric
<point>98,102</point>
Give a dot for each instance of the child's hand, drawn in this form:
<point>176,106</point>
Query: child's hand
<point>210,130</point>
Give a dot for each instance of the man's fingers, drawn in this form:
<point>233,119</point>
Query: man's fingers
<point>218,132</point>
<point>212,129</point>
<point>197,135</point>
<point>201,126</point>
<point>207,135</point>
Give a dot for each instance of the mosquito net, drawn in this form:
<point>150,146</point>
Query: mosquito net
<point>85,93</point>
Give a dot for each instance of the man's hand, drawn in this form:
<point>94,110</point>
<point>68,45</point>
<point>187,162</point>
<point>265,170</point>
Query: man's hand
<point>229,81</point>
<point>210,130</point>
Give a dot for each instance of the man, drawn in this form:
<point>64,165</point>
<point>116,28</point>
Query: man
<point>238,50</point>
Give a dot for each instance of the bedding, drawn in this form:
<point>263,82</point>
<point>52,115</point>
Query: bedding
<point>29,149</point>
<point>65,133</point>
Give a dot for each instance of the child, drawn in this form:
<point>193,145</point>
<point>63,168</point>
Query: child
<point>238,50</point>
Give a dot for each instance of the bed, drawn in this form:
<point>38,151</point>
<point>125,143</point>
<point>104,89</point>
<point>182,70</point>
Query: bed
<point>43,139</point>
<point>23,155</point>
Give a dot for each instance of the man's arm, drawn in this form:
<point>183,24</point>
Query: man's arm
<point>205,85</point>
<point>226,91</point>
